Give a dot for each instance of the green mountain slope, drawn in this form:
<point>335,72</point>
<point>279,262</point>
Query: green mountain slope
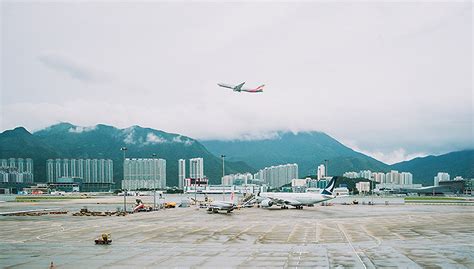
<point>307,149</point>
<point>65,140</point>
<point>459,163</point>
<point>19,143</point>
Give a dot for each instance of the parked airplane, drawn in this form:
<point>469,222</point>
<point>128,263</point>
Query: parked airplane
<point>239,88</point>
<point>298,200</point>
<point>217,206</point>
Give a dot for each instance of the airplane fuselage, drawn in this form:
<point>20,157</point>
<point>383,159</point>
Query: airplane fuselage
<point>217,206</point>
<point>238,88</point>
<point>295,199</point>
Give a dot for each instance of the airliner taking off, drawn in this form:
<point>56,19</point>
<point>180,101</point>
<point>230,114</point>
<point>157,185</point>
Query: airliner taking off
<point>298,200</point>
<point>239,88</point>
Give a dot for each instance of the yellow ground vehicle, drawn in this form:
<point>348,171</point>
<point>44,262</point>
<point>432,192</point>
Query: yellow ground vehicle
<point>104,239</point>
<point>170,205</point>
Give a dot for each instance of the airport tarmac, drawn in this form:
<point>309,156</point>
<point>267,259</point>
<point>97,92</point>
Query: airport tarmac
<point>360,236</point>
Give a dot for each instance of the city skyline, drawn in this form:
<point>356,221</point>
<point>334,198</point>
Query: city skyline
<point>391,80</point>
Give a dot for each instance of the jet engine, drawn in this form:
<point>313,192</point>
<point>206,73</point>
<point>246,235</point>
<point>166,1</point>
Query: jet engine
<point>266,203</point>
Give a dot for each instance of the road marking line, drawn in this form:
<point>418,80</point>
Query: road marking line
<point>350,244</point>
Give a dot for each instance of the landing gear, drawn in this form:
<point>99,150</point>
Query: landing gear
<point>284,207</point>
<point>299,207</point>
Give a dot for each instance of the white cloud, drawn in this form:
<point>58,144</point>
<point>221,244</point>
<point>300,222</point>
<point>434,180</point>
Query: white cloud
<point>129,136</point>
<point>80,129</point>
<point>386,156</point>
<point>151,138</point>
<point>71,67</point>
<point>180,139</point>
<point>395,156</point>
<point>258,136</point>
<point>389,76</point>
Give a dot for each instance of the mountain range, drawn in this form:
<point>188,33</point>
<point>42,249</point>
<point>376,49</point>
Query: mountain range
<point>458,163</point>
<point>307,149</point>
<point>68,141</point>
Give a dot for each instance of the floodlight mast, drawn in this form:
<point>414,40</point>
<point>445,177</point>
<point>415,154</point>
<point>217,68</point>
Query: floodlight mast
<point>124,149</point>
<point>223,174</point>
<point>154,182</point>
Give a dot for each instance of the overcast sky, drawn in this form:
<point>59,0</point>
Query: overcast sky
<point>393,80</point>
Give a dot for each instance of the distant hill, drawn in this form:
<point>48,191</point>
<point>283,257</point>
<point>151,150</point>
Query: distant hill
<point>307,149</point>
<point>19,143</point>
<point>459,163</point>
<point>65,140</point>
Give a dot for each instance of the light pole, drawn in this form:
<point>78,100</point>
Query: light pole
<point>327,173</point>
<point>154,182</point>
<point>124,149</point>
<point>223,174</point>
<point>372,192</point>
<point>193,176</point>
<point>195,192</point>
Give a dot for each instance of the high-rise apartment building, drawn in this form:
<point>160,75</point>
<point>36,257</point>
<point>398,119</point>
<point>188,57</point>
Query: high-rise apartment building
<point>84,169</point>
<point>406,178</point>
<point>442,176</point>
<point>277,176</point>
<point>392,177</point>
<point>367,174</point>
<point>16,170</point>
<point>351,174</point>
<point>181,173</point>
<point>144,173</point>
<point>29,165</point>
<point>12,163</point>
<point>50,170</point>
<point>321,171</point>
<point>379,177</point>
<point>196,168</point>
<point>20,165</point>
<point>236,179</point>
<point>65,168</point>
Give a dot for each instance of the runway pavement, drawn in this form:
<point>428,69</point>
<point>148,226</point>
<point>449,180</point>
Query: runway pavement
<point>408,236</point>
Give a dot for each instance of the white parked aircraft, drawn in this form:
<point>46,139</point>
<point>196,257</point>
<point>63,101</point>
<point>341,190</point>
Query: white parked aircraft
<point>298,200</point>
<point>216,206</point>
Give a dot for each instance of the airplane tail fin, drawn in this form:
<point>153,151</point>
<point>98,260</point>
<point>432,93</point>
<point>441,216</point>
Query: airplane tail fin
<point>259,88</point>
<point>329,187</point>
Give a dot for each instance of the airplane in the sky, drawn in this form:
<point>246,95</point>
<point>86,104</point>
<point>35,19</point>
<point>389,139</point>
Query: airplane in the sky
<point>298,200</point>
<point>238,88</point>
<point>216,206</point>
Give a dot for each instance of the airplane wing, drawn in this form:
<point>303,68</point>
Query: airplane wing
<point>239,87</point>
<point>258,89</point>
<point>226,85</point>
